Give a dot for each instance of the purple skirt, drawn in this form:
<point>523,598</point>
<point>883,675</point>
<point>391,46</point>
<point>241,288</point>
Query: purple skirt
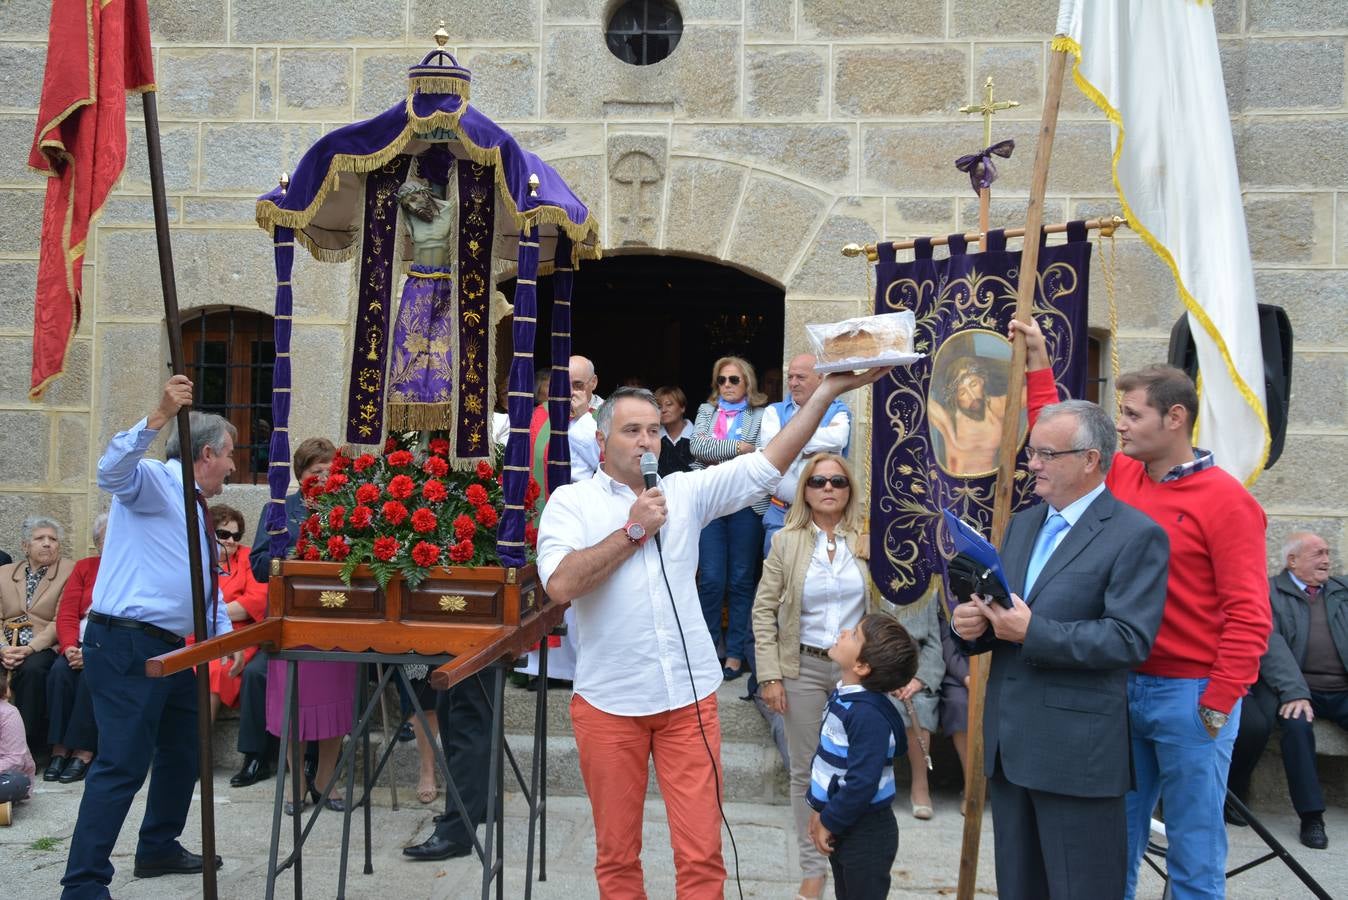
<point>421,375</point>
<point>327,698</point>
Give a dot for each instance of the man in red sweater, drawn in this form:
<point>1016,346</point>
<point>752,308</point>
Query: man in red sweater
<point>1184,701</point>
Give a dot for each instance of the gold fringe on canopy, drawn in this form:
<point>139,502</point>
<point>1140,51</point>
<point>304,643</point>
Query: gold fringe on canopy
<point>584,235</point>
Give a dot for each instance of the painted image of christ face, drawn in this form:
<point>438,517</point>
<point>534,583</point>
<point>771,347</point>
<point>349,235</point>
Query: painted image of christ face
<point>966,402</point>
<point>970,388</point>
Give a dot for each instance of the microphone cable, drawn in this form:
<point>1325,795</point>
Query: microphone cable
<point>697,708</point>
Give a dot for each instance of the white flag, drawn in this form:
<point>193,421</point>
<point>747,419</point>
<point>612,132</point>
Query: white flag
<point>1152,67</point>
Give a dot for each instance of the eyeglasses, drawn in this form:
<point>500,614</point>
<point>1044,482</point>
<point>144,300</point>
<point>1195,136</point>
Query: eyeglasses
<point>818,481</point>
<point>227,535</point>
<point>727,379</point>
<point>1049,456</point>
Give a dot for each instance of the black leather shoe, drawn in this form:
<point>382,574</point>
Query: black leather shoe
<point>185,863</point>
<point>1313,833</point>
<point>75,770</point>
<point>437,848</point>
<point>54,768</point>
<point>405,733</point>
<point>254,770</point>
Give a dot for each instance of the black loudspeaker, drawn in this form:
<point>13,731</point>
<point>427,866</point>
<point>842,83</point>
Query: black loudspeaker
<point>1275,336</point>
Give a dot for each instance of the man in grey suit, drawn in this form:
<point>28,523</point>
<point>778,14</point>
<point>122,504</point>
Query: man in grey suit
<point>1092,571</point>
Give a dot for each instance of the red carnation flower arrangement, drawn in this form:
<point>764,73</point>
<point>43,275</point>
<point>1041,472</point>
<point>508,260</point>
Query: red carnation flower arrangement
<point>404,511</point>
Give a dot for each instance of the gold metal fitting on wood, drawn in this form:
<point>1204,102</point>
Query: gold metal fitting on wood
<point>332,599</point>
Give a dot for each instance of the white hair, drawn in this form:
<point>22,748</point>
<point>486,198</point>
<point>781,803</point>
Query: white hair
<point>33,523</point>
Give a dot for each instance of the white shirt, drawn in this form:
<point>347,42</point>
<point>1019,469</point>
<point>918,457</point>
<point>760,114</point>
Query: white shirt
<point>830,437</point>
<point>833,596</point>
<point>584,447</point>
<point>500,428</point>
<point>630,660</point>
<point>144,574</point>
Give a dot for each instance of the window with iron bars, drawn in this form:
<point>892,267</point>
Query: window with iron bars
<point>229,354</point>
<point>643,32</point>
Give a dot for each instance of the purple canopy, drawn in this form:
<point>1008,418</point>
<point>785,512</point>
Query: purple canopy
<point>341,203</point>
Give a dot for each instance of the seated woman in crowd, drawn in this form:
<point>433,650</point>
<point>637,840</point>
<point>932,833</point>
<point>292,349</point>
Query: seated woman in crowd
<point>676,453</point>
<point>815,583</point>
<point>73,733</point>
<point>30,592</point>
<point>16,763</point>
<point>731,547</point>
<point>245,601</point>
<point>922,622</point>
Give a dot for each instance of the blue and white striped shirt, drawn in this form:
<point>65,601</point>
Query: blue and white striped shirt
<point>853,769</point>
<point>144,573</point>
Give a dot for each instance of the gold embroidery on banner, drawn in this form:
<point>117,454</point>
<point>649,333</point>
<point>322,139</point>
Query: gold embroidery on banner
<point>453,602</point>
<point>332,599</point>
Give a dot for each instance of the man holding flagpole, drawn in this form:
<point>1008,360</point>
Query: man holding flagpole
<point>1154,70</point>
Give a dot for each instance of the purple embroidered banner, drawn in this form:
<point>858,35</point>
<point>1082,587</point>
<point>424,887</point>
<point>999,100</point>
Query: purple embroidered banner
<point>938,422</point>
<point>369,359</point>
<point>477,215</point>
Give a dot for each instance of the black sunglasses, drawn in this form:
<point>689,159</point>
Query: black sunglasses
<point>226,535</point>
<point>818,481</point>
<point>722,379</point>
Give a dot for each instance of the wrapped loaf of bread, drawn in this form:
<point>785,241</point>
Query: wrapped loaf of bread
<point>885,339</point>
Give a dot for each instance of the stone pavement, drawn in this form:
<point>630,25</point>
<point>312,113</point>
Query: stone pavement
<point>927,865</point>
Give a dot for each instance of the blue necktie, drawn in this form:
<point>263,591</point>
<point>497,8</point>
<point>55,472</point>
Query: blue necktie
<point>1044,545</point>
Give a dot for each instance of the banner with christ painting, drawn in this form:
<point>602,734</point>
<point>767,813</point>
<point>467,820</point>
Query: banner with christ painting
<point>938,422</point>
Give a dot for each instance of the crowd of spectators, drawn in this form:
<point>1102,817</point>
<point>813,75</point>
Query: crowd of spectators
<point>778,580</point>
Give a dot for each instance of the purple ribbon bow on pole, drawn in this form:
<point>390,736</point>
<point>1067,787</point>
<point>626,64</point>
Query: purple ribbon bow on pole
<point>982,171</point>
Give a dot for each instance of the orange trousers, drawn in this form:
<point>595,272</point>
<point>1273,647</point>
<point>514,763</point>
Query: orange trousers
<point>615,753</point>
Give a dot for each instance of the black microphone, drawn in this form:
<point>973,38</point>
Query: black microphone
<point>650,469</point>
<point>650,472</point>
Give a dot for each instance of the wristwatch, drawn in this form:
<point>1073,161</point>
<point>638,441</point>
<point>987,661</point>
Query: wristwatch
<point>635,532</point>
<point>1211,718</point>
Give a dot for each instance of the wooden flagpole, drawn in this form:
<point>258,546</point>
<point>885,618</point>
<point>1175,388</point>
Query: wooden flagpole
<point>978,665</point>
<point>206,764</point>
<point>975,784</point>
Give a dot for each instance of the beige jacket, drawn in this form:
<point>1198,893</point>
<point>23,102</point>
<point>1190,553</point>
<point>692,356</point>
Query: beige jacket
<point>776,613</point>
<point>46,598</point>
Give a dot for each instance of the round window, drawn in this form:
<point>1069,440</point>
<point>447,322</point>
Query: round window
<point>642,32</point>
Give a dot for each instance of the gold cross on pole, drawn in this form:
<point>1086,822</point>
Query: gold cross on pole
<point>987,109</point>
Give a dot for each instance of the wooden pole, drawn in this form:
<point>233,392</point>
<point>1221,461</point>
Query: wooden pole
<point>1001,510</point>
<point>206,765</point>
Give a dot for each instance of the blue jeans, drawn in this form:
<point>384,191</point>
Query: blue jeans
<point>773,521</point>
<point>729,553</point>
<point>1175,758</point>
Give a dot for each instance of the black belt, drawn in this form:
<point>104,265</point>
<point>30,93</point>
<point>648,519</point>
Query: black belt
<point>813,651</point>
<point>153,631</point>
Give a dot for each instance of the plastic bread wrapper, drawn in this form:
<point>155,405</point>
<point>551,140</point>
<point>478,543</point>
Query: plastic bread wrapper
<point>891,335</point>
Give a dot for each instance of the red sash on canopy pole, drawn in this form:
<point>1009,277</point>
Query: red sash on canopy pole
<point>97,50</point>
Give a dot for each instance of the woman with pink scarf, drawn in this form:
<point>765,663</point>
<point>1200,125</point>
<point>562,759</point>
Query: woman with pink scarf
<point>731,547</point>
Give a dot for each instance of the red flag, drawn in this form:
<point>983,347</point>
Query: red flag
<point>97,50</point>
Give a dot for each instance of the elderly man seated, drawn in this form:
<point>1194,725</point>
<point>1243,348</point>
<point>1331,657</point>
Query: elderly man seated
<point>30,592</point>
<point>1302,676</point>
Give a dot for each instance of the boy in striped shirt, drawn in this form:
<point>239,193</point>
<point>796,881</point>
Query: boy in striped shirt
<point>852,776</point>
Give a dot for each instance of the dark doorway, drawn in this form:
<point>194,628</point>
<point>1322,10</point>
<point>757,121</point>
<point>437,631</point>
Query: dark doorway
<point>655,320</point>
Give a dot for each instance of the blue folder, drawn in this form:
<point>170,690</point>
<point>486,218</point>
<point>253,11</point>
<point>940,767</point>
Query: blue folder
<point>973,545</point>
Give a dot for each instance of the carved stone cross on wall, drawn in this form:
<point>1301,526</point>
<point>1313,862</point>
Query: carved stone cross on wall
<point>637,170</point>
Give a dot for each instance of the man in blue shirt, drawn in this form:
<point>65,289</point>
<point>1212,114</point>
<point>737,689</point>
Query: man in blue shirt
<point>143,608</point>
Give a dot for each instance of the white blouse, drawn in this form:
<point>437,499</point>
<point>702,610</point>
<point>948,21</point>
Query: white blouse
<point>834,595</point>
